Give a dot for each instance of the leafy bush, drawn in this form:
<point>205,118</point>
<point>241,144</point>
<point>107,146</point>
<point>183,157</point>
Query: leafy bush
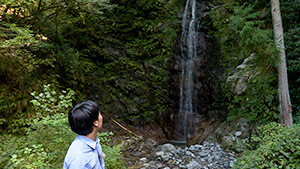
<point>48,137</point>
<point>259,102</point>
<point>135,79</point>
<point>22,70</point>
<point>119,49</point>
<point>290,15</point>
<point>17,67</point>
<point>296,116</point>
<point>50,102</point>
<point>45,145</point>
<point>112,159</point>
<point>274,146</point>
<point>243,33</point>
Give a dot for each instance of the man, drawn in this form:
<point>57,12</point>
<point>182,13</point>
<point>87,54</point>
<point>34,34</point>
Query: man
<point>85,151</point>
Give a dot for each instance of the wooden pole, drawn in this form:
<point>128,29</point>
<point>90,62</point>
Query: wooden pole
<point>124,128</point>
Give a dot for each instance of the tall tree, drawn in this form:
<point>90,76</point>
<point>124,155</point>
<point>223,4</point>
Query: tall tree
<point>283,87</point>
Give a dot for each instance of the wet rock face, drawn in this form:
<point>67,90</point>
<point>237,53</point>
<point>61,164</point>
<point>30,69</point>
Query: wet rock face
<point>241,76</point>
<point>150,154</point>
<point>205,75</point>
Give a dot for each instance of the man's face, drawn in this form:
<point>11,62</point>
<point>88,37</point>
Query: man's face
<point>100,121</point>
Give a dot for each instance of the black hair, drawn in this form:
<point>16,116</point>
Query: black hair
<point>82,117</point>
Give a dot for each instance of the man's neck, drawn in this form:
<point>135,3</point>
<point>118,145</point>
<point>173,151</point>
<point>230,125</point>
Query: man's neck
<point>92,135</point>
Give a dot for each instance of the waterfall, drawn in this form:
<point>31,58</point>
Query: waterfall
<point>188,56</point>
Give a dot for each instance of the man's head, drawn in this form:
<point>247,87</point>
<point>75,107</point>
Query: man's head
<point>83,117</point>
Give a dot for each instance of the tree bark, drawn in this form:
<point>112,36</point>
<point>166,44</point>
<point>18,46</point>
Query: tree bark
<point>283,87</point>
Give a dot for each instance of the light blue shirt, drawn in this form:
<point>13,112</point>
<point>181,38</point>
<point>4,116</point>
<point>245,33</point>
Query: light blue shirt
<point>84,153</point>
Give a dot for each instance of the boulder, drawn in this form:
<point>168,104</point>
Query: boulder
<point>167,147</point>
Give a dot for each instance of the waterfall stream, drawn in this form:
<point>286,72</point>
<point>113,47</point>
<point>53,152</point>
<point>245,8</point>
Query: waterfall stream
<point>188,55</point>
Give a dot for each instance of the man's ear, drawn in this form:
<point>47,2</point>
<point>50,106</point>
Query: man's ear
<point>96,123</point>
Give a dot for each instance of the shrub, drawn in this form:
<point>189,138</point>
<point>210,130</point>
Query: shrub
<point>43,146</point>
<point>242,34</point>
<point>46,144</point>
<point>51,102</point>
<point>296,116</point>
<point>112,159</point>
<point>274,146</point>
<point>259,101</point>
<point>48,137</point>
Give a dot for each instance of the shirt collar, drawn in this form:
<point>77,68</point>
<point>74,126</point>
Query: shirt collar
<point>91,143</point>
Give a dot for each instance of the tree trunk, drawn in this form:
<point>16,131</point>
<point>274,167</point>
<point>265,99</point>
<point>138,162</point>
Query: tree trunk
<point>283,87</point>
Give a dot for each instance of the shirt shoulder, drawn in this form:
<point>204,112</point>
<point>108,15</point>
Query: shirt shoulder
<point>81,154</point>
<point>78,162</point>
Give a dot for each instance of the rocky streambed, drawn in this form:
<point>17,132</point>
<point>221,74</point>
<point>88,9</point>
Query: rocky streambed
<point>152,155</point>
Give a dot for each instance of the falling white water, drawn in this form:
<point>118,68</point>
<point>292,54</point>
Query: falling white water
<point>188,55</point>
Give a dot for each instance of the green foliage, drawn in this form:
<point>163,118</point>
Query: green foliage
<point>51,102</point>
<point>243,33</point>
<point>23,37</point>
<point>18,66</point>
<point>290,14</point>
<point>117,49</point>
<point>112,159</point>
<point>45,145</point>
<point>46,140</point>
<point>105,137</point>
<point>296,116</point>
<point>135,76</point>
<point>259,102</point>
<point>17,61</point>
<point>274,146</point>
